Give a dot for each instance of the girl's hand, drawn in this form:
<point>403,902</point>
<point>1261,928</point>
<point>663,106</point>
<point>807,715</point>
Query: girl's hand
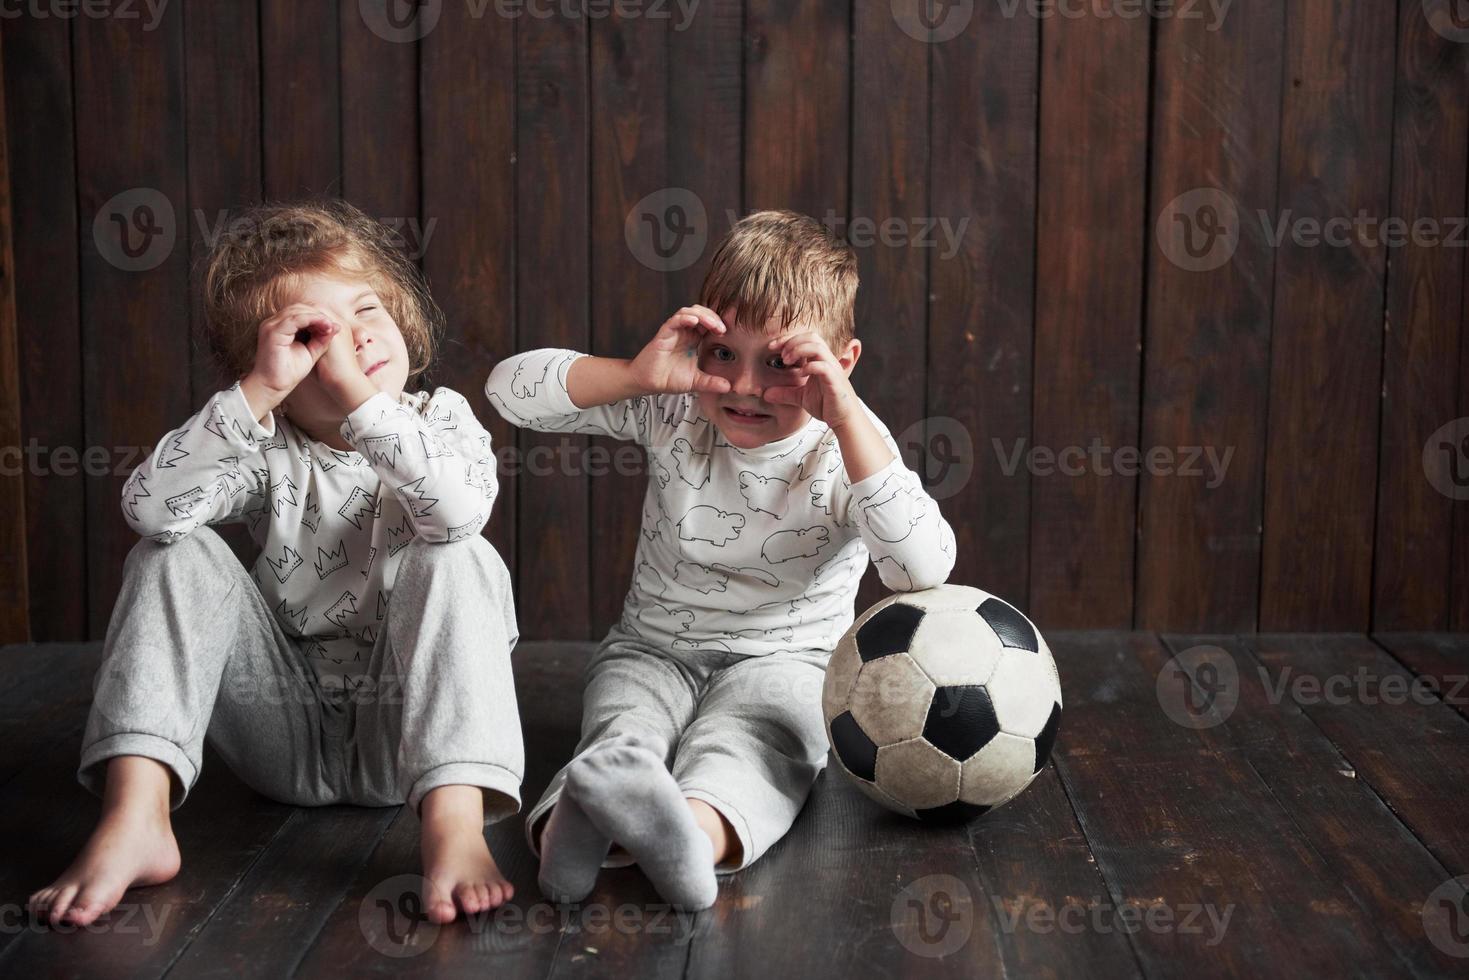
<point>821,384</point>
<point>287,348</point>
<point>341,375</point>
<point>670,362</point>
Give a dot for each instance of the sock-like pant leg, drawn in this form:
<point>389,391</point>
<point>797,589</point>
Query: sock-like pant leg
<point>187,620</point>
<point>630,688</point>
<point>756,746</point>
<point>444,712</point>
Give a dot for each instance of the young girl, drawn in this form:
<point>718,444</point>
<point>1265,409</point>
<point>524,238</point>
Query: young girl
<point>366,657</point>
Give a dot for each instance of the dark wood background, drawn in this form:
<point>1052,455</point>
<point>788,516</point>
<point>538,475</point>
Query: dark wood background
<point>527,142</point>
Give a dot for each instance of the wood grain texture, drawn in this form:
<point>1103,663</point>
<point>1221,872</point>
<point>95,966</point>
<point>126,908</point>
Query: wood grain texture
<point>15,613</point>
<point>222,59</point>
<point>468,166</point>
<point>552,303</point>
<point>796,149</point>
<point>1089,246</point>
<point>44,236</point>
<point>380,116</point>
<point>890,190</point>
<point>509,150</point>
<point>1326,347</point>
<point>1317,785</point>
<point>629,297</point>
<point>982,296</point>
<point>1206,352</point>
<point>1412,553</point>
<point>1409,749</point>
<point>1156,817</point>
<point>301,88</point>
<point>132,194</point>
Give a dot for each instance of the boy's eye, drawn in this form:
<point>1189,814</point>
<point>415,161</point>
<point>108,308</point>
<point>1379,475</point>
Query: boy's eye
<point>777,363</point>
<point>723,354</point>
<point>366,309</point>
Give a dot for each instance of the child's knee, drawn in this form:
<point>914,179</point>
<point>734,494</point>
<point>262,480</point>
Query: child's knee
<point>471,555</point>
<point>201,550</point>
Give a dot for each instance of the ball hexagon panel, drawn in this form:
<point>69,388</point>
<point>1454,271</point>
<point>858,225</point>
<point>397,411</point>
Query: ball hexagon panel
<point>955,647</point>
<point>998,771</point>
<point>874,792</point>
<point>889,631</point>
<point>961,721</point>
<point>1013,629</point>
<point>1047,738</point>
<point>1023,691</point>
<point>889,697</point>
<point>918,774</point>
<point>852,746</point>
<point>841,674</point>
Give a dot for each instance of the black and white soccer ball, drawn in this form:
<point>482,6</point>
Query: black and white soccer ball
<point>942,704</point>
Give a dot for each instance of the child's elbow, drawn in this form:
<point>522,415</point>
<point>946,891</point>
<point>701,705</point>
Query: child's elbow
<point>498,383</point>
<point>931,575</point>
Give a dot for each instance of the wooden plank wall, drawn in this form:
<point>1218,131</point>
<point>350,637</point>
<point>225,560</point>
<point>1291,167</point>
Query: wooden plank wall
<point>1088,169</point>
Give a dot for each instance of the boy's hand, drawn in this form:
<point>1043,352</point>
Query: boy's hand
<point>341,375</point>
<point>670,362</point>
<point>822,386</point>
<point>287,348</point>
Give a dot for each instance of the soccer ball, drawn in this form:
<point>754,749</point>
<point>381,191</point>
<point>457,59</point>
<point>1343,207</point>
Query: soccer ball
<point>942,704</point>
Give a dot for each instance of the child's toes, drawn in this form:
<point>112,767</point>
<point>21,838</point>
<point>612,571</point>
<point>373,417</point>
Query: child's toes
<point>61,903</point>
<point>440,904</point>
<point>40,902</point>
<point>469,897</point>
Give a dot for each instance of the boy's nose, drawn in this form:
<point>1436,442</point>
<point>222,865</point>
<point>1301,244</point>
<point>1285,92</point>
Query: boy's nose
<point>745,384</point>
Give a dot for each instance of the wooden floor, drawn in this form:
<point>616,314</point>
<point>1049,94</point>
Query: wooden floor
<point>1300,831</point>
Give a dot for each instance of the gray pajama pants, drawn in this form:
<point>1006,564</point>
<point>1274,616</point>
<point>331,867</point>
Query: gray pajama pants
<point>193,649</point>
<point>744,734</point>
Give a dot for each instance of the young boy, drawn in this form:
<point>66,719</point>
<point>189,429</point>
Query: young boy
<point>366,657</point>
<point>771,484</point>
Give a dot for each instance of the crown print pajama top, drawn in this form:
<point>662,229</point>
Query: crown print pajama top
<point>331,523</point>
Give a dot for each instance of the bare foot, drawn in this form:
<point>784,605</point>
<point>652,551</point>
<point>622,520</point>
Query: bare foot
<point>461,872</point>
<point>133,844</point>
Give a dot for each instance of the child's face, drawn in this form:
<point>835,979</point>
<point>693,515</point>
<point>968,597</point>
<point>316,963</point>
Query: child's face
<point>742,356</point>
<point>368,335</point>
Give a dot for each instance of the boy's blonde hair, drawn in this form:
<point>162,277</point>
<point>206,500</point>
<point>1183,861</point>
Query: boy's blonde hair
<point>263,252</point>
<point>786,265</point>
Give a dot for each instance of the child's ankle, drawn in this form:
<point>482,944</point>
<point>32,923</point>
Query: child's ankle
<point>453,804</point>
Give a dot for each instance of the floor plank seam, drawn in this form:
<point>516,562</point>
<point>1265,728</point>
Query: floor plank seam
<point>1112,891</point>
<point>1386,803</point>
<point>1460,706</point>
<point>310,944</point>
<point>227,894</point>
